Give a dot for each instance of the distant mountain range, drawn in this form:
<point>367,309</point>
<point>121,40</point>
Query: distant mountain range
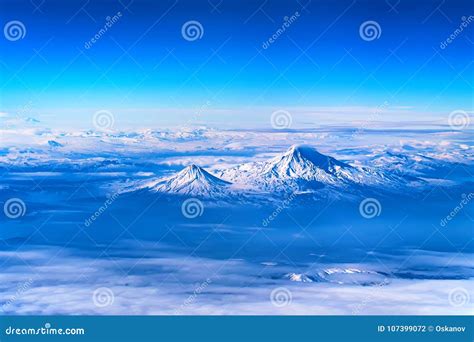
<point>341,276</point>
<point>301,169</point>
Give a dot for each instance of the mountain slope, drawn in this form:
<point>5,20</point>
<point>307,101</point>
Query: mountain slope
<point>302,168</point>
<point>193,180</point>
<point>299,170</point>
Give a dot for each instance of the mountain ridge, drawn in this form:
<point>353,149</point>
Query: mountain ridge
<point>300,169</point>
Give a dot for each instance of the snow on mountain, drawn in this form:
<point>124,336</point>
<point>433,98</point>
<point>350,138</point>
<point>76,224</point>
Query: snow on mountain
<point>341,276</point>
<point>353,276</point>
<point>299,277</point>
<point>193,180</point>
<point>302,168</point>
<point>420,165</point>
<point>305,163</point>
<point>416,165</point>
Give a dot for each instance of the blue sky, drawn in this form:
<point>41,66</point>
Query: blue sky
<point>142,67</point>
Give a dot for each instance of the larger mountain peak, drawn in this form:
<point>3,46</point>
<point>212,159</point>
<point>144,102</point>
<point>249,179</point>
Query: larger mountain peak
<point>302,161</point>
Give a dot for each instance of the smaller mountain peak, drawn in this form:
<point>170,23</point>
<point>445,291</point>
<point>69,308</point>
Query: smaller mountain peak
<point>192,171</point>
<point>298,277</point>
<point>193,180</point>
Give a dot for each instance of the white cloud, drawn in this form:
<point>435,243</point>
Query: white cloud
<point>162,283</point>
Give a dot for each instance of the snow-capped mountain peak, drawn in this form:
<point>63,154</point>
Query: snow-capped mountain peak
<point>193,173</point>
<point>299,277</point>
<point>196,175</point>
<point>192,180</point>
<point>303,169</point>
<point>301,161</point>
<point>299,167</point>
<point>299,170</point>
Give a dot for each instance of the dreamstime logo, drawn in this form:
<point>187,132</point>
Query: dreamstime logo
<point>466,198</point>
<point>108,202</point>
<point>22,288</point>
<point>192,30</point>
<point>102,297</point>
<point>25,109</point>
<point>192,297</point>
<point>370,30</point>
<point>192,208</point>
<point>109,22</point>
<point>281,297</point>
<point>14,208</point>
<point>287,22</point>
<point>459,297</point>
<point>14,30</point>
<point>196,117</point>
<point>103,120</point>
<point>370,296</point>
<point>370,207</point>
<point>372,118</point>
<point>459,119</point>
<point>281,119</point>
<point>284,205</point>
<point>465,21</point>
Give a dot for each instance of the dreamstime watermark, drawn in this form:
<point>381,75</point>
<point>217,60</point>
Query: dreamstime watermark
<point>370,297</point>
<point>459,119</point>
<point>372,118</point>
<point>370,208</point>
<point>287,22</point>
<point>110,21</point>
<point>108,202</point>
<point>103,120</point>
<point>281,119</point>
<point>283,205</point>
<point>370,30</point>
<point>192,30</point>
<point>458,297</point>
<point>192,208</point>
<point>465,21</point>
<point>14,30</point>
<point>14,208</point>
<point>46,330</point>
<point>102,297</point>
<point>196,115</point>
<point>192,297</point>
<point>21,113</point>
<point>22,288</point>
<point>25,109</point>
<point>466,198</point>
<point>281,297</point>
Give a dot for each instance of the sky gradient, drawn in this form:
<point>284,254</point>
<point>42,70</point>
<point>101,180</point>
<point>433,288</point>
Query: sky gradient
<point>142,67</point>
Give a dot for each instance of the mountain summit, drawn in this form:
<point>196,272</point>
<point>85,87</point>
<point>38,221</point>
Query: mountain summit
<point>304,162</point>
<point>302,168</point>
<point>192,180</point>
<point>299,167</point>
